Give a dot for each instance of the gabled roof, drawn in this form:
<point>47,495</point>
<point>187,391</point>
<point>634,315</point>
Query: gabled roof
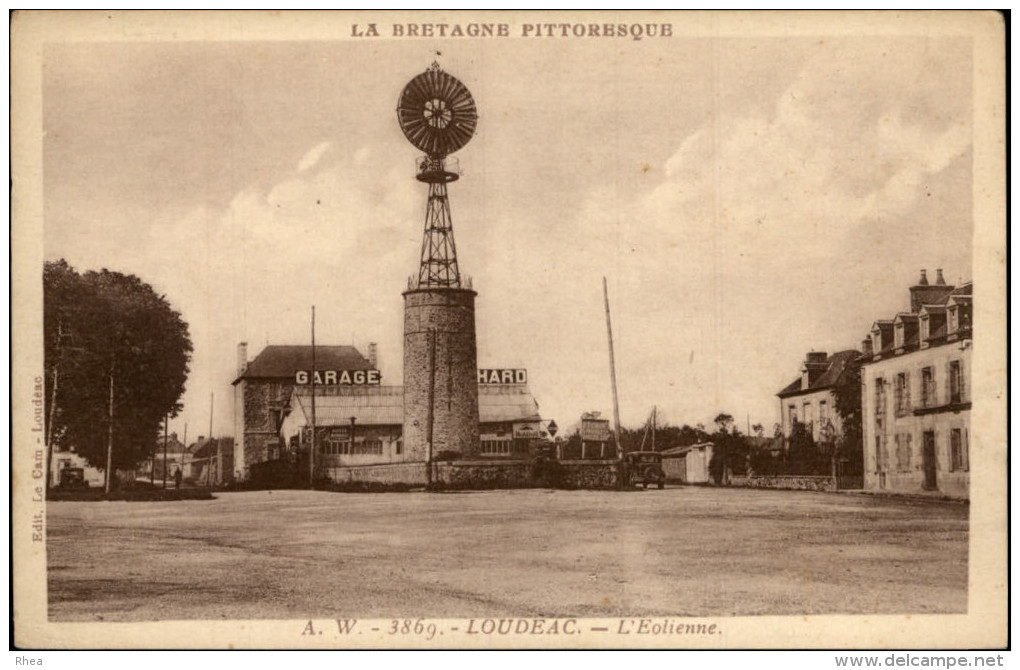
<point>209,447</point>
<point>682,450</point>
<point>173,445</point>
<point>936,309</point>
<point>836,363</point>
<point>281,361</point>
<point>370,406</point>
<point>967,288</point>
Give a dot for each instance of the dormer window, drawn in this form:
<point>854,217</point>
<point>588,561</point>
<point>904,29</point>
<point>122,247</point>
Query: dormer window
<point>925,328</point>
<point>899,336</point>
<point>953,316</point>
<point>876,341</point>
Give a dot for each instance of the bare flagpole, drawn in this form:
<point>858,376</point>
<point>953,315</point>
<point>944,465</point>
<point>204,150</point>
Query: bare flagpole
<point>212,397</point>
<point>311,450</point>
<point>109,443</point>
<point>612,370</point>
<point>166,427</point>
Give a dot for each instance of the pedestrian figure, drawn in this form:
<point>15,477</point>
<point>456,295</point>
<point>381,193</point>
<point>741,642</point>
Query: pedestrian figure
<point>177,478</point>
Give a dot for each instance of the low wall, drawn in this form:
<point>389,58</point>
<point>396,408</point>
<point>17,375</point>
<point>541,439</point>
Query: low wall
<point>588,474</point>
<point>482,474</point>
<point>795,482</point>
<point>386,473</point>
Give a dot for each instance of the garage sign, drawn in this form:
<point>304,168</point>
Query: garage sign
<point>503,376</point>
<point>339,377</point>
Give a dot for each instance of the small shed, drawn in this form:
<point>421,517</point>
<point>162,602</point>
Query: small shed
<point>687,464</point>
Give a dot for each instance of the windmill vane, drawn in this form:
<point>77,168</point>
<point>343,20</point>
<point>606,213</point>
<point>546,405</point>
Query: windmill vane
<point>438,116</point>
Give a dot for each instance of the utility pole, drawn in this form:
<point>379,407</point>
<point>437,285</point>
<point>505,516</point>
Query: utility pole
<point>431,335</point>
<point>185,444</point>
<point>653,427</point>
<point>209,458</point>
<point>612,370</point>
<point>53,408</point>
<point>311,448</point>
<point>109,443</point>
<point>212,396</point>
<point>166,427</point>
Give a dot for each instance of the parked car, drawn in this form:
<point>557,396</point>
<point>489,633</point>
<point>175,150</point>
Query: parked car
<point>73,478</point>
<point>645,467</point>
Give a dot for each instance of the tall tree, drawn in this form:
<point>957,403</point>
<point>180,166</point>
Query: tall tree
<point>847,392</point>
<point>106,325</point>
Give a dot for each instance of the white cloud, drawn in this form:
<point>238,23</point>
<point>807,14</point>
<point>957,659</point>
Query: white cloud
<point>313,156</point>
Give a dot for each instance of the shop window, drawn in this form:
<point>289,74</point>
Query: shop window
<point>497,447</point>
<point>367,448</point>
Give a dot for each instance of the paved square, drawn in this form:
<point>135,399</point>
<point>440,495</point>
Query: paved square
<point>685,551</point>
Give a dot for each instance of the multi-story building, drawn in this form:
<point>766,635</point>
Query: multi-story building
<point>263,388</point>
<point>809,399</point>
<point>916,400</point>
<point>359,420</point>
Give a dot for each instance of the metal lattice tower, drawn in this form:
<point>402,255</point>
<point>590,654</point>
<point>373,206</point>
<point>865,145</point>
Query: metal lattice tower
<point>438,249</point>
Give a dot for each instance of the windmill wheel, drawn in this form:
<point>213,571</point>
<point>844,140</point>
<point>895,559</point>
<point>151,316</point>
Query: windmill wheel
<point>437,113</point>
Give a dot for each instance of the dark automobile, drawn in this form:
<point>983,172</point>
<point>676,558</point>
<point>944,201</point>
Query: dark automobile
<point>73,478</point>
<point>645,467</point>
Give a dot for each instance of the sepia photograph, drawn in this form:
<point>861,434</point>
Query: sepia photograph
<point>551,330</point>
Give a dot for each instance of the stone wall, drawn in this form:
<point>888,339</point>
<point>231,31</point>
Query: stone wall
<point>389,473</point>
<point>478,474</point>
<point>484,474</point>
<point>795,482</point>
<point>589,474</point>
<point>450,315</point>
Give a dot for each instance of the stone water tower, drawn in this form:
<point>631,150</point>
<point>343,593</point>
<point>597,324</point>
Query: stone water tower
<point>437,115</point>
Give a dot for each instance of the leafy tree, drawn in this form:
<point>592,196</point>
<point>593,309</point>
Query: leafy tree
<point>847,392</point>
<point>106,325</point>
<point>731,453</point>
<point>723,421</point>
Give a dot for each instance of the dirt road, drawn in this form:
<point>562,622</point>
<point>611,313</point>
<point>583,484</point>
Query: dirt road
<point>684,551</point>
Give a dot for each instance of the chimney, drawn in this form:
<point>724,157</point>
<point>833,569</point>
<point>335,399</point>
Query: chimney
<point>242,358</point>
<point>814,366</point>
<point>373,355</point>
<point>173,436</point>
<point>922,293</point>
<point>866,346</point>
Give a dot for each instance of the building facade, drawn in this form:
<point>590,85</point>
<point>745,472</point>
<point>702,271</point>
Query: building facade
<point>358,420</point>
<point>809,399</point>
<point>263,389</point>
<point>364,426</point>
<point>916,401</point>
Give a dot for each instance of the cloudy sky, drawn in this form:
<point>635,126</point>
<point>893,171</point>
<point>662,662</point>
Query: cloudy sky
<point>748,200</point>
